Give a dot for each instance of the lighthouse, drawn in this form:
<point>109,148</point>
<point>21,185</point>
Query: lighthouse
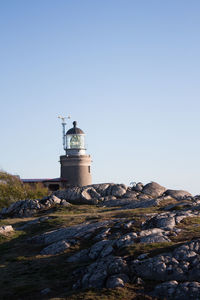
<point>75,165</point>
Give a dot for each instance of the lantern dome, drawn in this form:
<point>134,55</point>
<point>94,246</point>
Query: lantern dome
<point>75,130</point>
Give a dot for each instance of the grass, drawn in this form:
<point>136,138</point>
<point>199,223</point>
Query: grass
<point>24,272</point>
<point>130,292</point>
<point>152,249</point>
<point>190,229</point>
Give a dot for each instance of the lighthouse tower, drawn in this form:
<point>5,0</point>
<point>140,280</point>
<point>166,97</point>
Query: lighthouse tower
<point>75,164</point>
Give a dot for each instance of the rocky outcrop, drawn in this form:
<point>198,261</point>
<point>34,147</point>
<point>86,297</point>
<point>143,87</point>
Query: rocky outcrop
<point>105,268</point>
<point>178,291</point>
<point>100,273</point>
<point>83,231</point>
<point>107,194</point>
<point>56,248</point>
<point>182,264</point>
<point>118,247</point>
<point>178,194</point>
<point>168,220</point>
<point>153,189</point>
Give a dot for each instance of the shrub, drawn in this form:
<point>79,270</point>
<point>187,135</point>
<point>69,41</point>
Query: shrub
<point>12,190</point>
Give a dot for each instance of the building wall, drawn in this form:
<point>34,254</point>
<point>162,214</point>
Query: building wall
<point>76,169</point>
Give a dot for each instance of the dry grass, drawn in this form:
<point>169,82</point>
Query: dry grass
<point>24,273</point>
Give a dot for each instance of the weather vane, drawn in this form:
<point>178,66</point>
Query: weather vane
<point>63,125</point>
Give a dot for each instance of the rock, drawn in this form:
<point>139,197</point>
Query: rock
<point>102,188</point>
<point>73,195</point>
<point>143,256</point>
<point>126,240</point>
<point>139,187</point>
<point>102,249</point>
<point>22,208</point>
<point>129,224</point>
<point>95,191</point>
<point>107,251</point>
<point>142,204</point>
<point>14,206</point>
<point>54,199</point>
<point>108,194</point>
<point>117,265</point>
<point>102,235</point>
<point>167,221</point>
<point>178,291</point>
<point>114,282</point>
<point>181,264</point>
<point>153,189</point>
<point>177,194</point>
<point>166,289</point>
<point>65,203</point>
<point>139,281</point>
<point>78,257</point>
<point>150,232</point>
<point>4,230</point>
<point>143,197</point>
<point>118,190</point>
<point>154,238</point>
<point>88,194</point>
<point>73,232</point>
<point>184,253</point>
<point>45,291</point>
<point>108,198</point>
<point>55,248</point>
<point>155,235</point>
<point>131,195</point>
<point>96,273</point>
<point>162,221</point>
<point>3,211</point>
<point>118,202</point>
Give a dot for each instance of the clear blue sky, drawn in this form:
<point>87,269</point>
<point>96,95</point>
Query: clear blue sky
<point>128,71</point>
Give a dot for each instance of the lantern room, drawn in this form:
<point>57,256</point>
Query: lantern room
<point>75,141</point>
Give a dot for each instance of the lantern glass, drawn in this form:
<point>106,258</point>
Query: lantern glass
<point>75,141</point>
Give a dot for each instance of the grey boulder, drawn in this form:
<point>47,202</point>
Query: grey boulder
<point>177,194</point>
<point>96,274</point>
<point>118,190</point>
<point>153,189</point>
<point>83,231</point>
<point>114,282</point>
<point>55,248</point>
<point>89,196</point>
<point>178,291</point>
<point>4,230</point>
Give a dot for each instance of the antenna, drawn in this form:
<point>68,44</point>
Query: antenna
<point>63,125</point>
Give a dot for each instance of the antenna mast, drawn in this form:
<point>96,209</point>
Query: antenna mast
<point>63,126</point>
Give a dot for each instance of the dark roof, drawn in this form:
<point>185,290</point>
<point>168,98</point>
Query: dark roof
<point>42,180</point>
<point>75,130</point>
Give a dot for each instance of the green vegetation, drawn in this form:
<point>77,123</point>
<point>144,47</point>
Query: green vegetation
<point>12,190</point>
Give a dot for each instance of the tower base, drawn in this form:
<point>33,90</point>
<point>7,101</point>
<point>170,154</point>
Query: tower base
<point>76,170</point>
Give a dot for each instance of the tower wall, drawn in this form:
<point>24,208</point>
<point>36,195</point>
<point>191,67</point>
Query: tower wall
<point>76,169</point>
